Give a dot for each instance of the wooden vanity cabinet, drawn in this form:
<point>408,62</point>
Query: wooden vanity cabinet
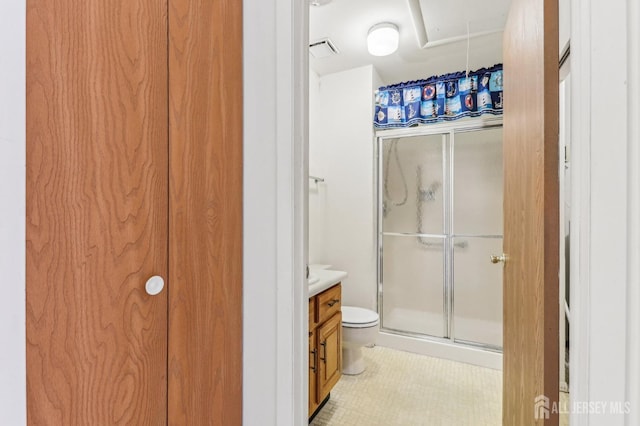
<point>329,355</point>
<point>313,373</point>
<point>325,345</point>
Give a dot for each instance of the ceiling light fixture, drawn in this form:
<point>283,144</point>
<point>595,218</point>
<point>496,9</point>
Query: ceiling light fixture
<point>383,39</point>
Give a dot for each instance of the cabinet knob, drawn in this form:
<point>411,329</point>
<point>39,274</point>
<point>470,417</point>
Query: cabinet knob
<point>333,302</point>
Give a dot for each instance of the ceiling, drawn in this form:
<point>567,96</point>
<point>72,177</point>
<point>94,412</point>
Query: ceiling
<point>346,23</point>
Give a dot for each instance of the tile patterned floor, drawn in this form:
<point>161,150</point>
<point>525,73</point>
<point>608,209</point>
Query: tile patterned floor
<point>404,389</point>
<point>564,402</point>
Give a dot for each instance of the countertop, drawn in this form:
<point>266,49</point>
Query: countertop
<point>327,278</point>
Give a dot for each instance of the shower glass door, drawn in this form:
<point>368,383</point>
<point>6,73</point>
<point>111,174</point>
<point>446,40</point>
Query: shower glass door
<point>413,233</point>
<point>439,220</point>
<point>477,234</point>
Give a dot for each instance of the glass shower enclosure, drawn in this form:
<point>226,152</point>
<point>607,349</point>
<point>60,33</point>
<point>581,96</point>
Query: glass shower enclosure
<point>439,220</point>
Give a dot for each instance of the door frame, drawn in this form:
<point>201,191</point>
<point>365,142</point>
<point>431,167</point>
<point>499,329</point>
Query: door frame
<point>605,159</point>
<point>276,138</point>
<point>580,211</point>
<point>282,27</point>
<point>286,31</point>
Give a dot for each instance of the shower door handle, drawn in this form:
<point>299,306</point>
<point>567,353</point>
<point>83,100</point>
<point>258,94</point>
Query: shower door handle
<point>499,258</point>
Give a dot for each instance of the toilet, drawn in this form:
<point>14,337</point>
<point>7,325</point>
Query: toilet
<point>359,328</point>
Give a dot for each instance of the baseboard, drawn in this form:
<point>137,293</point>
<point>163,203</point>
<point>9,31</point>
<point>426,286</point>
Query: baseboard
<point>322,404</point>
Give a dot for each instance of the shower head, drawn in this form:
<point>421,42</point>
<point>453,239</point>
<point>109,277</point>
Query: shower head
<point>429,194</point>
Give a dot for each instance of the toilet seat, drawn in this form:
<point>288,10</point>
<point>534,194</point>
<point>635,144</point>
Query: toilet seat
<point>354,317</point>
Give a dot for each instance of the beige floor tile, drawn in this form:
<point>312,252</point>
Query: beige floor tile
<point>564,402</point>
<point>404,389</point>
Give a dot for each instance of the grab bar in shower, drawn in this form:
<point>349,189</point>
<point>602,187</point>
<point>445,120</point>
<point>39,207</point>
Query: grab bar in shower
<point>460,244</point>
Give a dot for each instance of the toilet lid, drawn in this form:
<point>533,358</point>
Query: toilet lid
<point>358,317</point>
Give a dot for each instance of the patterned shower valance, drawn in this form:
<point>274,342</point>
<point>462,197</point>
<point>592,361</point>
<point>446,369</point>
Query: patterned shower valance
<point>440,98</point>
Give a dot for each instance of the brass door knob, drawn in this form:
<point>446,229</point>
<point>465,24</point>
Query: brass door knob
<point>499,258</point>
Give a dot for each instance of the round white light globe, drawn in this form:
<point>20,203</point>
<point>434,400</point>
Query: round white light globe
<point>383,39</point>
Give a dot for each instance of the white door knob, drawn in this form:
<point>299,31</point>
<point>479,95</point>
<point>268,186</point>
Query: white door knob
<point>154,285</point>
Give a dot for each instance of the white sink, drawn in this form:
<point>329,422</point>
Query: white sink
<point>322,279</point>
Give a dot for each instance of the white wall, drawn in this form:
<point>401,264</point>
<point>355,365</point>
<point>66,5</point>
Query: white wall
<point>564,33</point>
<point>342,209</point>
<point>317,191</point>
<point>633,212</point>
<point>259,281</point>
<point>12,213</point>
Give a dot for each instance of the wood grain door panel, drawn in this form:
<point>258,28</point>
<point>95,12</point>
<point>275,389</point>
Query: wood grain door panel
<point>205,258</point>
<point>313,369</point>
<point>97,214</point>
<point>530,210</point>
<point>330,355</point>
<point>329,303</point>
<point>134,163</point>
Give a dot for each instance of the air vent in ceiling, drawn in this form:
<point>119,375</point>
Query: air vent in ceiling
<point>323,48</point>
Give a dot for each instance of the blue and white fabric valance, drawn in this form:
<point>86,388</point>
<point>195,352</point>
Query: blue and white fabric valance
<point>440,98</point>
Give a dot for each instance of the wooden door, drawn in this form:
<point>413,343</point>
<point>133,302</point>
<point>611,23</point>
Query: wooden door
<point>205,196</point>
<point>105,83</point>
<point>329,355</point>
<point>96,211</point>
<point>531,212</point>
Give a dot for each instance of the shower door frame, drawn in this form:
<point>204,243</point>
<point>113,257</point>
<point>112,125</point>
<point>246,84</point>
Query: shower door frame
<point>447,129</point>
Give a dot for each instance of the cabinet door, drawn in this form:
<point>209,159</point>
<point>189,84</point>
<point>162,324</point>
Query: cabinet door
<point>330,355</point>
<point>97,183</point>
<point>313,373</point>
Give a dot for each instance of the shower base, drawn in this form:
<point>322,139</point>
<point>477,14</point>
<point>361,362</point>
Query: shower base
<point>441,348</point>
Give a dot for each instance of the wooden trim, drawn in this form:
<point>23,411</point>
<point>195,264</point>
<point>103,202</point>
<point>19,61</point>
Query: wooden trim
<point>551,204</point>
<point>205,223</point>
